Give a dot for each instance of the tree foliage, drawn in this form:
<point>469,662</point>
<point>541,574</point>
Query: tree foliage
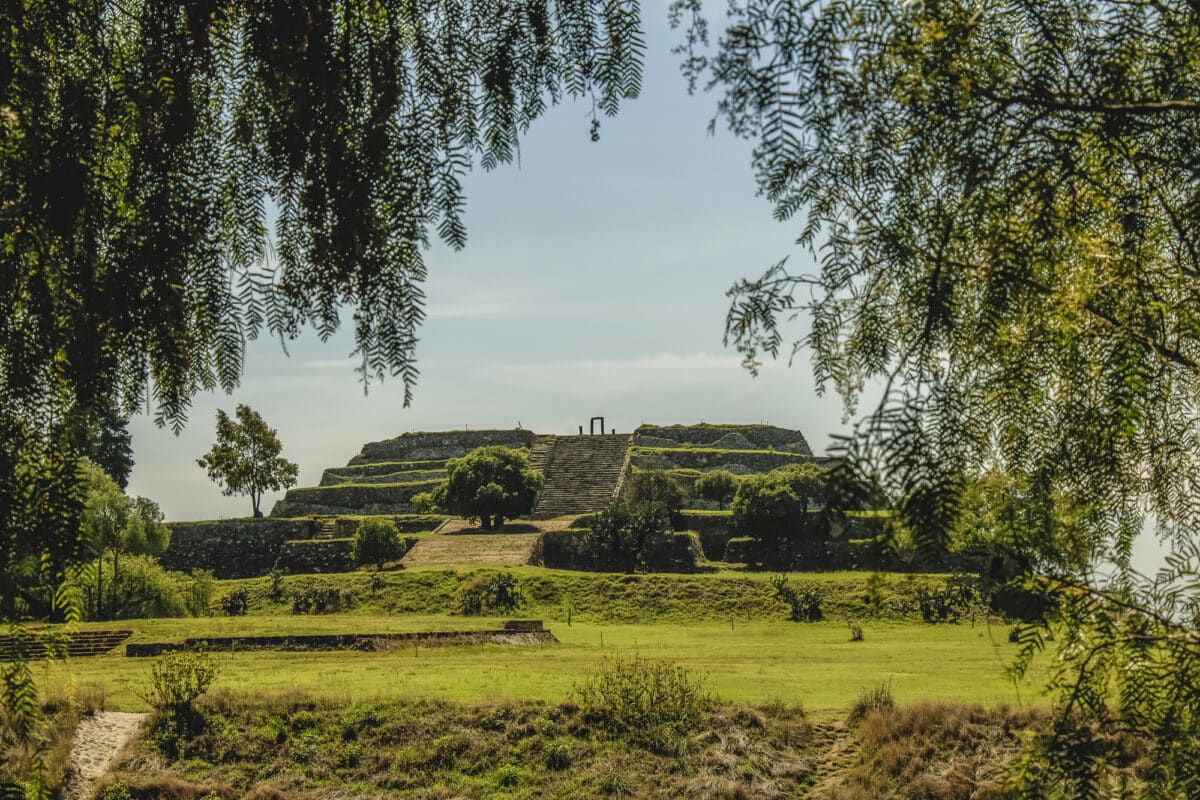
<point>1005,203</point>
<point>246,457</point>
<point>655,486</point>
<point>377,541</point>
<point>618,534</point>
<point>716,486</point>
<point>177,180</point>
<point>490,484</point>
<point>776,503</point>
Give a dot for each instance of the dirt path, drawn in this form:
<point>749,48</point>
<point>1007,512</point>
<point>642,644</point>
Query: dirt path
<point>97,740</point>
<point>838,757</point>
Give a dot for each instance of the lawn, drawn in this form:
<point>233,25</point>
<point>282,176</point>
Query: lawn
<point>813,663</point>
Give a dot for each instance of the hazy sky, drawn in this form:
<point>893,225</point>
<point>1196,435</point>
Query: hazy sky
<point>592,283</point>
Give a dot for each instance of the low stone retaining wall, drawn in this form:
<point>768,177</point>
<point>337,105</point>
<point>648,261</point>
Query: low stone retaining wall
<point>513,632</point>
<point>316,555</point>
<point>232,548</point>
<point>671,552</point>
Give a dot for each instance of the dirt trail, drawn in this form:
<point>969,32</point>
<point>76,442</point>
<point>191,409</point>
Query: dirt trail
<point>98,739</point>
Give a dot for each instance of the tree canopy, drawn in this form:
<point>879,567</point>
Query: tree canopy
<point>490,484</point>
<point>176,180</point>
<point>246,457</point>
<point>1005,205</point>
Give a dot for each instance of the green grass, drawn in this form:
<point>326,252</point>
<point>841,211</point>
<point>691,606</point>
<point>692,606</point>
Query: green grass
<point>652,450</point>
<point>813,663</point>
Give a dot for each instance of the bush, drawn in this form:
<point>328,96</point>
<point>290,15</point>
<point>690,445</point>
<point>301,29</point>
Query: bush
<point>804,601</point>
<point>140,590</point>
<point>498,593</point>
<point>178,679</point>
<point>644,698</point>
<point>198,592</point>
<point>236,603</point>
<point>377,541</point>
<point>316,600</point>
<point>717,486</point>
<point>947,603</point>
<point>558,756</point>
<point>856,631</point>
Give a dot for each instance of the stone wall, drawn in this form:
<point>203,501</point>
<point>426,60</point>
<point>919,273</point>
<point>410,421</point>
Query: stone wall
<point>352,498</point>
<point>714,531</point>
<point>232,548</point>
<point>734,437</point>
<point>446,444</point>
<point>316,555</point>
<point>670,552</point>
<point>739,462</point>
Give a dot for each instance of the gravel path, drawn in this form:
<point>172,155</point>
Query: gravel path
<point>98,739</point>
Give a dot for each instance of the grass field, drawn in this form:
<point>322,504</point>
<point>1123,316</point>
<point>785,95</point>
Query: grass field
<point>814,664</point>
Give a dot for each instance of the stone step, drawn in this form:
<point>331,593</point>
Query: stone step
<point>495,549</point>
<point>78,644</point>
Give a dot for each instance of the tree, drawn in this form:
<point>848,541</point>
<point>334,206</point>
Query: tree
<point>618,534</point>
<point>717,486</point>
<point>138,149</point>
<point>490,484</point>
<point>766,506</point>
<point>246,457</point>
<point>807,481</point>
<point>377,541</point>
<point>655,486</point>
<point>113,523</point>
<point>1005,201</point>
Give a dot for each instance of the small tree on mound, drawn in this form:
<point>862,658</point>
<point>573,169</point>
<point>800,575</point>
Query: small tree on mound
<point>246,457</point>
<point>717,486</point>
<point>377,541</point>
<point>490,484</point>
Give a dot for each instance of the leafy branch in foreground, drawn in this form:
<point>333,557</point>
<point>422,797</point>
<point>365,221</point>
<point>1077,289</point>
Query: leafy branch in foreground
<point>1005,206</point>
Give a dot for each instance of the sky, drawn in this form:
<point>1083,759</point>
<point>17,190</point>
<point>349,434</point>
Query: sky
<point>593,283</point>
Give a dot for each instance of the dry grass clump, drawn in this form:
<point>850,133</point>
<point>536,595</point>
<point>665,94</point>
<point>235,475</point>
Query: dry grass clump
<point>933,751</point>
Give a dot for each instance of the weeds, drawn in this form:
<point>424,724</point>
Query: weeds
<point>870,699</point>
<point>495,593</point>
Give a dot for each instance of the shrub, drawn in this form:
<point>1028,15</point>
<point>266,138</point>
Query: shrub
<point>856,631</point>
<point>558,756</point>
<point>377,541</point>
<point>198,592</point>
<point>276,578</point>
<point>875,698</point>
<point>641,697</point>
<point>141,589</point>
<point>804,600</point>
<point>509,775</point>
<point>317,600</point>
<point>236,603</point>
<point>178,679</point>
<point>946,603</point>
<point>717,486</point>
<point>497,593</point>
<point>117,790</point>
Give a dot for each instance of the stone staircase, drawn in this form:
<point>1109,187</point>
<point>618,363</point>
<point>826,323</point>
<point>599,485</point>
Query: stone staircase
<point>583,474</point>
<point>540,450</point>
<point>460,549</point>
<point>325,528</point>
<point>78,644</point>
